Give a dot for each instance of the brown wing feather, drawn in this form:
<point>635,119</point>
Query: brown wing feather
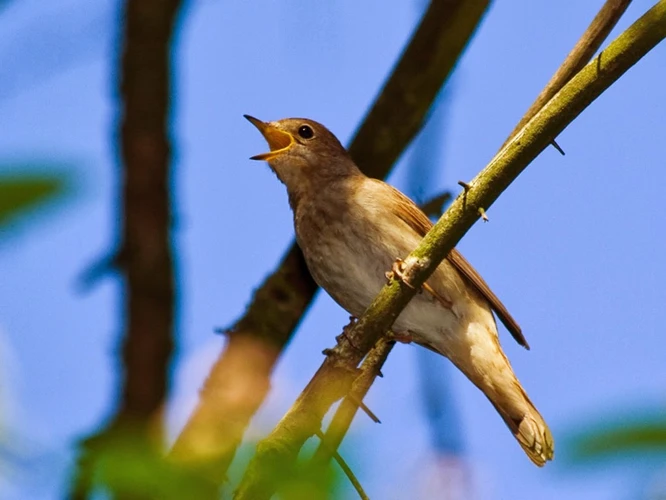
<point>466,269</point>
<point>417,220</point>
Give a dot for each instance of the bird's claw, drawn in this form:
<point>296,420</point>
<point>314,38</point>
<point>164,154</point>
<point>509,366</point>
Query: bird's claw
<point>398,272</point>
<point>403,338</point>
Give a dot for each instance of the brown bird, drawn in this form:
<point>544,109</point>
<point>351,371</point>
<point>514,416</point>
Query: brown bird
<point>351,229</point>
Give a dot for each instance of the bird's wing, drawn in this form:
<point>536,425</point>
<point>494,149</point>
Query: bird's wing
<point>466,269</point>
<point>417,220</point>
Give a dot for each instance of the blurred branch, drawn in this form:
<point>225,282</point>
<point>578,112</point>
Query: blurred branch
<point>403,103</point>
<point>580,55</point>
<point>277,453</point>
<point>214,431</point>
<point>149,296</point>
<point>145,89</point>
<point>434,207</point>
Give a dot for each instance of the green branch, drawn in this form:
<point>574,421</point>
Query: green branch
<point>277,453</point>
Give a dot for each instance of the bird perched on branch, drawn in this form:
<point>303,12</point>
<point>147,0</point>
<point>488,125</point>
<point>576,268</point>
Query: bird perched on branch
<point>352,228</point>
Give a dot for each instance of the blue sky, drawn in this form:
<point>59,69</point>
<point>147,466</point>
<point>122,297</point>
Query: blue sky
<point>574,248</point>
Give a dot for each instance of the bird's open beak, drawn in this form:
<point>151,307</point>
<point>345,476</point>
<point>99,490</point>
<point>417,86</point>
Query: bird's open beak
<point>278,140</point>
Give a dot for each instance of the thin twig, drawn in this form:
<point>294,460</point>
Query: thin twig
<point>345,468</point>
<point>580,55</point>
<point>216,427</point>
<point>363,407</point>
<point>333,379</point>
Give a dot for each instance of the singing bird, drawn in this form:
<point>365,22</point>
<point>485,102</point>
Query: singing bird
<point>352,228</point>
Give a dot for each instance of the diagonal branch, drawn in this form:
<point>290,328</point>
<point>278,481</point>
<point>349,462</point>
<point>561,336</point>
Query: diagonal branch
<point>586,46</point>
<point>277,453</point>
<point>214,431</point>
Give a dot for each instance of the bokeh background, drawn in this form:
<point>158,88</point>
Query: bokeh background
<point>575,248</point>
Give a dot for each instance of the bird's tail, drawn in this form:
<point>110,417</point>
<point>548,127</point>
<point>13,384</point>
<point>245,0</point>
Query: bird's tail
<point>489,369</point>
<point>527,425</point>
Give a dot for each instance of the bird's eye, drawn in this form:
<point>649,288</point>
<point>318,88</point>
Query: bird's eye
<point>305,132</point>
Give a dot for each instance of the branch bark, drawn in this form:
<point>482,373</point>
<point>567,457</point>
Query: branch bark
<point>214,431</point>
<point>276,454</point>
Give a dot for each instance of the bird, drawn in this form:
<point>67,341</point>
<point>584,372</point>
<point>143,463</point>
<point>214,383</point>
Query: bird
<point>351,229</point>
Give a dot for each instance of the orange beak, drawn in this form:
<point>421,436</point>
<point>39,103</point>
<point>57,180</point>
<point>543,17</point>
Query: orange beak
<point>278,140</point>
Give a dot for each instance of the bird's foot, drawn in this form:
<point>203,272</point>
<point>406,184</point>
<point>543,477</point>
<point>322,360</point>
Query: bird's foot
<point>403,338</point>
<point>398,272</point>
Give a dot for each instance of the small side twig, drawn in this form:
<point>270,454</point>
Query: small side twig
<point>558,147</point>
<point>362,406</point>
<point>464,185</point>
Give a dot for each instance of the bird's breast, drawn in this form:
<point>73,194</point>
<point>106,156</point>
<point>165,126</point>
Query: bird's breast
<point>345,255</point>
<point>349,269</point>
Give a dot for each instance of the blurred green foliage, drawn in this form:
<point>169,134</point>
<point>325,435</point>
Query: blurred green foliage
<point>23,194</point>
<point>642,433</point>
<point>122,461</point>
<point>302,483</point>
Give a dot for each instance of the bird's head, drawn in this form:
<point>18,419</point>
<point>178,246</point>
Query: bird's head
<point>303,153</point>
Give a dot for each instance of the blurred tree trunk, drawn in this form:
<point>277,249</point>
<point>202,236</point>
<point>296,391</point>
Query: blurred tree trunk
<point>146,213</point>
<point>145,256</point>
